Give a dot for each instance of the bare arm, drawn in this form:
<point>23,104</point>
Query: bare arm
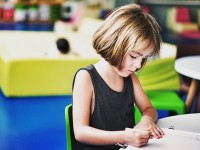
<point>82,100</point>
<point>149,114</point>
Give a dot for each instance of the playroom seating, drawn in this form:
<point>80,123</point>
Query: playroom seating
<point>160,81</point>
<point>25,70</point>
<point>40,76</point>
<point>71,141</point>
<point>178,20</point>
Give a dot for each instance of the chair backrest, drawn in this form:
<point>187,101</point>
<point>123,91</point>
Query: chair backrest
<point>182,14</point>
<point>71,141</point>
<point>159,75</point>
<point>178,20</point>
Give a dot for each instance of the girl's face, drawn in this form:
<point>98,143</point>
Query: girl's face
<point>133,60</point>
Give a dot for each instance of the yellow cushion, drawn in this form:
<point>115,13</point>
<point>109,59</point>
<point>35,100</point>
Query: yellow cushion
<point>159,75</point>
<point>26,70</point>
<point>40,77</point>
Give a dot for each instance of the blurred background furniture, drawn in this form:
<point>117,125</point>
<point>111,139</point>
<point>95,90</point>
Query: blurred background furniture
<point>71,141</point>
<point>160,82</point>
<point>40,76</point>
<point>186,122</point>
<point>189,67</point>
<point>184,50</point>
<point>25,70</point>
<point>178,20</point>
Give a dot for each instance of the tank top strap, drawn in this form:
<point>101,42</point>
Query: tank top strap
<point>88,68</point>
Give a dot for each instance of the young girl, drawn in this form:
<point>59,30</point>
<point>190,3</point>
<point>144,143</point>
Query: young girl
<point>104,94</point>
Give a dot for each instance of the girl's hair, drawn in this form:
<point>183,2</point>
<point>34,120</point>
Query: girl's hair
<point>123,30</point>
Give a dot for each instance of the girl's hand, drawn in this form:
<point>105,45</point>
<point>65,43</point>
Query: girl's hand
<point>137,137</point>
<point>146,123</point>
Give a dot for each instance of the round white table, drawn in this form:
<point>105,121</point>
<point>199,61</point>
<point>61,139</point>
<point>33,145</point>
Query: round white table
<point>186,122</point>
<point>185,136</point>
<point>190,67</point>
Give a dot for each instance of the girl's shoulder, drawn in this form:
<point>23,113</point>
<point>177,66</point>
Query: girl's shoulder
<point>82,73</point>
<point>82,79</point>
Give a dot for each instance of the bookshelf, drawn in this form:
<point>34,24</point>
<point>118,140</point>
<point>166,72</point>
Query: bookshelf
<point>172,2</point>
<point>29,14</point>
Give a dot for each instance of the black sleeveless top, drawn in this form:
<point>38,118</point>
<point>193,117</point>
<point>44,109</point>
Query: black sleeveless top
<point>113,111</point>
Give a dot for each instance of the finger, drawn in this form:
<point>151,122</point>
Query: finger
<point>142,133</point>
<point>141,143</point>
<point>145,134</point>
<point>155,134</point>
<point>144,143</point>
<point>143,139</point>
<point>160,130</point>
<point>156,131</point>
<point>158,134</point>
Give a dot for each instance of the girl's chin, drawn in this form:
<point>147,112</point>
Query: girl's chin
<point>125,74</point>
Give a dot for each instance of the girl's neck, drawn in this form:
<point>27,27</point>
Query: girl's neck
<point>110,76</point>
<point>105,68</point>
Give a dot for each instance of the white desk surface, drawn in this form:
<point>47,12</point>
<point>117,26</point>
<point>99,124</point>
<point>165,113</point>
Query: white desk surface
<point>185,136</point>
<point>188,66</point>
<point>173,139</point>
<point>186,122</point>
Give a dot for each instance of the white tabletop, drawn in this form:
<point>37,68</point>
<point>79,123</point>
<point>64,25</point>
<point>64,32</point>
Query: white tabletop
<point>173,139</point>
<point>188,66</point>
<point>186,122</point>
<point>184,136</point>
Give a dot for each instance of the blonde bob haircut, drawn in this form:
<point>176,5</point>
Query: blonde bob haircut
<point>122,31</point>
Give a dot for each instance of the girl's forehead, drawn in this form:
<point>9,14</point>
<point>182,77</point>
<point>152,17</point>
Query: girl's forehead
<point>143,47</point>
<point>143,44</point>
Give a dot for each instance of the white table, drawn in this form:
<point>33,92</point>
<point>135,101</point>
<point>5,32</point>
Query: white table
<point>186,122</point>
<point>184,136</point>
<point>190,67</point>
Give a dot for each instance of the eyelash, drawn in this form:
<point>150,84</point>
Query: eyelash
<point>134,57</point>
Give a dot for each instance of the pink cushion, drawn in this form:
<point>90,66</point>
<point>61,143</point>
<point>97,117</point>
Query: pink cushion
<point>183,14</point>
<point>146,9</point>
<point>192,35</point>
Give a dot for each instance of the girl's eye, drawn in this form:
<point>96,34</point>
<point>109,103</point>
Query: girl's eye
<point>134,57</point>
